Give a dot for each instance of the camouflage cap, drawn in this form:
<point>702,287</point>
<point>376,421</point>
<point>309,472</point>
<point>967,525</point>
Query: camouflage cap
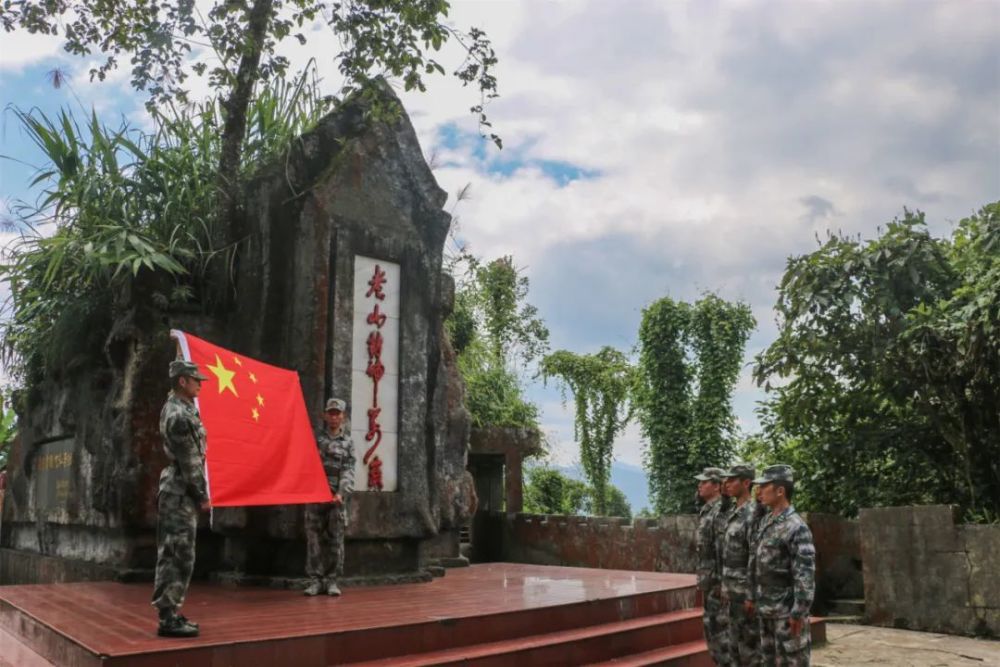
<point>182,367</point>
<point>778,473</point>
<point>741,470</point>
<point>336,404</point>
<point>711,474</point>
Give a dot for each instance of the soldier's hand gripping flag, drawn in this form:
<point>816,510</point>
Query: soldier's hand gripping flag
<point>260,445</point>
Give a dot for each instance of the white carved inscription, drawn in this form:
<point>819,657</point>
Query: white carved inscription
<point>375,374</point>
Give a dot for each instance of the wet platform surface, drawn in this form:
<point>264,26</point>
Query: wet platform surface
<point>110,623</point>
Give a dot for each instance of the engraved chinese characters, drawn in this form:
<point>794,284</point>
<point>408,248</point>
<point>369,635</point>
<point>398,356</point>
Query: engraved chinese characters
<point>375,370</point>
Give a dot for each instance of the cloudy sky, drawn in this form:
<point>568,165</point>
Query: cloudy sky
<point>668,148</point>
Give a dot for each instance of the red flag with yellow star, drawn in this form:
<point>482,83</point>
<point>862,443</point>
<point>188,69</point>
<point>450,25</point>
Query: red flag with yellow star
<point>260,445</point>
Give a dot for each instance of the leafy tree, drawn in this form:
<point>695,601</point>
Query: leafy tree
<point>601,385</point>
<point>494,395</point>
<point>497,335</point>
<point>618,504</point>
<point>689,361</point>
<point>548,491</point>
<point>237,45</point>
<point>8,425</point>
<point>889,354</point>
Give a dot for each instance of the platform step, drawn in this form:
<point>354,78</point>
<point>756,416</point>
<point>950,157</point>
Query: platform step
<point>576,646</point>
<point>688,654</point>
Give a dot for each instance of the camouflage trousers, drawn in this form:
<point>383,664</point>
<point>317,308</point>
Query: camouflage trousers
<point>779,648</point>
<point>744,637</point>
<point>325,526</point>
<point>176,528</point>
<point>715,619</point>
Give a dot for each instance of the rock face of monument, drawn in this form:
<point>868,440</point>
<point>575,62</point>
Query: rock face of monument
<point>338,276</point>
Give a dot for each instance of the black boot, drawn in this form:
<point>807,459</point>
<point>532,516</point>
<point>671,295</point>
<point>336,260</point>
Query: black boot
<point>174,625</point>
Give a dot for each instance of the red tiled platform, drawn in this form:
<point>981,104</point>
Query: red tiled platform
<point>492,614</point>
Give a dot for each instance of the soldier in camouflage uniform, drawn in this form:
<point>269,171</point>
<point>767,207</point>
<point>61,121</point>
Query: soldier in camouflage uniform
<point>709,575</point>
<point>327,522</point>
<point>183,491</point>
<point>782,573</point>
<point>735,554</point>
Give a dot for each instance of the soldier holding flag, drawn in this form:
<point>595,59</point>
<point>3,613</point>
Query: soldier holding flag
<point>183,491</point>
<point>327,522</point>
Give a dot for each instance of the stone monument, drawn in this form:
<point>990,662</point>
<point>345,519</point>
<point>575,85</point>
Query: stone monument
<point>338,276</point>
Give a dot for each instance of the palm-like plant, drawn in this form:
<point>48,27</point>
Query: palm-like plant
<point>119,208</point>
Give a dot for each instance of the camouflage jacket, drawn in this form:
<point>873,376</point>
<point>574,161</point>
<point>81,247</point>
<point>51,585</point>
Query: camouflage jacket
<point>184,442</point>
<point>725,510</point>
<point>707,543</point>
<point>735,551</point>
<point>337,453</point>
<point>783,566</point>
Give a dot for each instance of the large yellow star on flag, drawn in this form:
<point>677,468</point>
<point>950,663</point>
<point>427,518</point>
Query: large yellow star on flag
<point>224,375</point>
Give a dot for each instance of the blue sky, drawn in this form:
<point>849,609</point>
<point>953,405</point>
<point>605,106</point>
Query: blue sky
<point>657,149</point>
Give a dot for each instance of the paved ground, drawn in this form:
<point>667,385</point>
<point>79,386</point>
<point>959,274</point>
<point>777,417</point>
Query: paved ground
<point>868,645</point>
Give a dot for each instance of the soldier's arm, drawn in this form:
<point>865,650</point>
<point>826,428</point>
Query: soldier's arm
<point>182,439</point>
<point>707,575</point>
<point>803,554</point>
<point>347,474</point>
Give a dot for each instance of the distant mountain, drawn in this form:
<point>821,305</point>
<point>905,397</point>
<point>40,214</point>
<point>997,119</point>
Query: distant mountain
<point>629,478</point>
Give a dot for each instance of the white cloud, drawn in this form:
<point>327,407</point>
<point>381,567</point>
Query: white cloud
<point>20,49</point>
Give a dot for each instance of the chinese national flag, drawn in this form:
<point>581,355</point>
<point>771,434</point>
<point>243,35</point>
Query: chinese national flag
<point>261,449</point>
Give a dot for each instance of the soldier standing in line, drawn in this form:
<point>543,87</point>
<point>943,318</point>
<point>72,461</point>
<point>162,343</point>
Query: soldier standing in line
<point>327,522</point>
<point>183,491</point>
<point>737,541</point>
<point>782,573</point>
<point>709,577</point>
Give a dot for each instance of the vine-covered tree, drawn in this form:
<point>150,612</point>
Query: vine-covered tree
<point>689,361</point>
<point>498,335</point>
<point>889,356</point>
<point>601,385</point>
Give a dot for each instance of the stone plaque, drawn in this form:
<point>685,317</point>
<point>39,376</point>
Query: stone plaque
<point>375,373</point>
<point>52,468</point>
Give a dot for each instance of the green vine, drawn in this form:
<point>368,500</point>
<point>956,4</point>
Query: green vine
<point>601,386</point>
<point>689,361</point>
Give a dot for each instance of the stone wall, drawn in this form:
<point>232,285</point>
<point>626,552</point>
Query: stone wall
<point>657,545</point>
<point>923,571</point>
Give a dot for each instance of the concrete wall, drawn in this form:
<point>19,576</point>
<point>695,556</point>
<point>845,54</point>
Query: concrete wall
<point>925,572</point>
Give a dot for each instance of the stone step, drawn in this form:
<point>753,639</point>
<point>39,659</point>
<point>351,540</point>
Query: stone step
<point>851,620</point>
<point>576,646</point>
<point>847,607</point>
